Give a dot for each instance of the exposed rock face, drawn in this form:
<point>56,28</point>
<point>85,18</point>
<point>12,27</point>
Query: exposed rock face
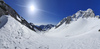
<point>84,14</point>
<point>2,12</point>
<point>1,0</point>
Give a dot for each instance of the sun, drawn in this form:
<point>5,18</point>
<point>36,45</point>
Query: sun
<point>32,8</point>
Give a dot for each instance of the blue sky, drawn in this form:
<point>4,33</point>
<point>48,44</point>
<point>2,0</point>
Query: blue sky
<point>52,11</point>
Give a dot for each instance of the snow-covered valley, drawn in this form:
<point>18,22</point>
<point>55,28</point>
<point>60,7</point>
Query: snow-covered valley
<point>81,34</point>
<point>79,31</point>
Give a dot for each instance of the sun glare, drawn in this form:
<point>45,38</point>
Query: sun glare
<point>32,8</point>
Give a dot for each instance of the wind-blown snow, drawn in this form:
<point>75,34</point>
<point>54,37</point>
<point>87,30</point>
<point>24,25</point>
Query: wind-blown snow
<point>84,35</point>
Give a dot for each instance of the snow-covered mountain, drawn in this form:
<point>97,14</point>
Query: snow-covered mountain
<point>46,27</point>
<point>77,24</point>
<point>7,10</point>
<point>79,31</point>
<point>84,14</point>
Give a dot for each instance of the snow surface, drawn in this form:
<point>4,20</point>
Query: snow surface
<point>79,27</point>
<point>18,18</point>
<point>81,34</point>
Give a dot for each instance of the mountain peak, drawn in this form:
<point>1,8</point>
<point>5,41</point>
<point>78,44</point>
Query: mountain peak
<point>84,14</point>
<point>89,10</point>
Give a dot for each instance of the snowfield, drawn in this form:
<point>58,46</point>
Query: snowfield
<point>80,34</point>
<point>76,28</point>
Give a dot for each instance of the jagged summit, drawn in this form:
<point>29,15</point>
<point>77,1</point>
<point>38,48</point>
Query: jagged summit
<point>89,10</point>
<point>84,14</point>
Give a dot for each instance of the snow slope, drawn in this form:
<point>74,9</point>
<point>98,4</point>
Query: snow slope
<point>77,24</point>
<point>14,35</point>
<point>81,26</point>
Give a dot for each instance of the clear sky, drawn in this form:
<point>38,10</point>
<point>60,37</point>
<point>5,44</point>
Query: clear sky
<point>51,11</point>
